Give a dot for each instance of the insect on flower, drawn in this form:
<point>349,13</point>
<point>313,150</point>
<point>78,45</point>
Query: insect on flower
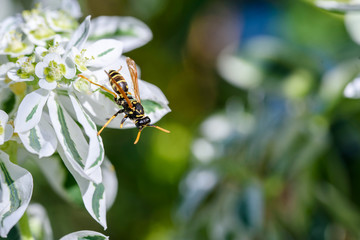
<point>131,107</point>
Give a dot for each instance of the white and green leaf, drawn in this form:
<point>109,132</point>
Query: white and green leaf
<point>93,194</point>
<point>80,35</point>
<point>41,139</point>
<point>95,155</point>
<point>131,31</point>
<point>30,110</point>
<point>16,186</point>
<point>103,52</point>
<point>71,138</point>
<point>85,235</point>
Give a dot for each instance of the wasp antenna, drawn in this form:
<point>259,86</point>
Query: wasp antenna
<point>161,129</point>
<point>138,137</point>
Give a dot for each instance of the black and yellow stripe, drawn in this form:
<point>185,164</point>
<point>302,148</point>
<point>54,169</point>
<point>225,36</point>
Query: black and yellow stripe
<point>119,79</point>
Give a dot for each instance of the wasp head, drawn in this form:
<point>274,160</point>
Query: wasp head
<point>142,122</point>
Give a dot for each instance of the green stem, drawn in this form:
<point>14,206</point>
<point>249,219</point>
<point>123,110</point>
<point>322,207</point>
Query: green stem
<point>24,227</point>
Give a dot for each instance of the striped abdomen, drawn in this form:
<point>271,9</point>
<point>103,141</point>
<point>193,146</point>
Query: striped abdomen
<point>119,80</point>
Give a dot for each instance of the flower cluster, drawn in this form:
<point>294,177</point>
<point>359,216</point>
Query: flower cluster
<point>53,112</point>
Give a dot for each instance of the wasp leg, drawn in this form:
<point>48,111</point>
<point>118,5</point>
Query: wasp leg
<point>119,69</point>
<point>102,87</point>
<point>110,119</point>
<point>138,137</point>
<point>123,120</point>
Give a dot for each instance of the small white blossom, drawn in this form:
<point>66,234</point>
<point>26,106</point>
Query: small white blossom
<point>12,43</point>
<point>52,70</point>
<point>61,21</point>
<point>36,27</point>
<point>24,70</point>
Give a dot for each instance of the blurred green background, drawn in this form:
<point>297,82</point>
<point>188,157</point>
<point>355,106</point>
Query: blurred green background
<point>263,144</point>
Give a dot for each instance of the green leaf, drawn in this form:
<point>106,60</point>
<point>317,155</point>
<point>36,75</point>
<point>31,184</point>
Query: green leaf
<point>150,106</point>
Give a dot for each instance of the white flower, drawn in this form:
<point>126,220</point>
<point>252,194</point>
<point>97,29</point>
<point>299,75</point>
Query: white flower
<point>61,21</point>
<point>24,70</point>
<point>52,70</point>
<point>36,27</point>
<point>6,130</point>
<point>12,43</point>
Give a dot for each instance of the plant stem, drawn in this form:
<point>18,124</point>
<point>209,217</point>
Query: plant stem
<point>24,227</point>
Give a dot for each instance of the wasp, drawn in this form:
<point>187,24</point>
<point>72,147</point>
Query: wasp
<point>131,106</point>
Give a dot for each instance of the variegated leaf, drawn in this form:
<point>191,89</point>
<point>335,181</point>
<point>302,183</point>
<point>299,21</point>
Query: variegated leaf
<point>103,52</point>
<point>72,140</point>
<point>80,36</point>
<point>30,110</point>
<point>16,186</point>
<point>93,194</point>
<point>131,31</point>
<point>85,235</point>
<point>95,155</point>
<point>41,139</point>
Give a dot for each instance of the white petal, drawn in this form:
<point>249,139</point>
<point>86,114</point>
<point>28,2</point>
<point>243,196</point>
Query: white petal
<point>4,68</point>
<point>16,190</point>
<point>52,57</point>
<point>84,235</point>
<point>40,140</point>
<point>9,130</point>
<point>3,123</point>
<point>39,69</point>
<point>30,110</point>
<point>3,117</point>
<point>12,74</point>
<point>47,85</point>
<point>39,52</point>
<point>70,69</point>
<point>104,52</point>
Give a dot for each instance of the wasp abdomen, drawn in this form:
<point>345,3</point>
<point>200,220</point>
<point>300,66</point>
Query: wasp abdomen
<point>119,79</point>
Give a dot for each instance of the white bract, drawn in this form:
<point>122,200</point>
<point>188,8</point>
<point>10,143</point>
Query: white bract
<point>42,52</point>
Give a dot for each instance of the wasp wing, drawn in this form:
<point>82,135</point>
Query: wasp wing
<point>134,77</point>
